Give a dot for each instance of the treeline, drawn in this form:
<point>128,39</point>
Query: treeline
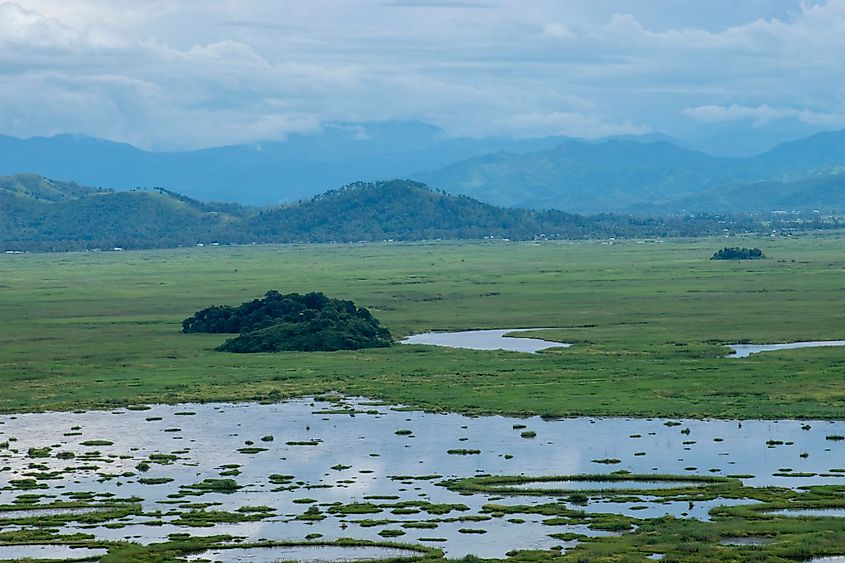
<point>37,214</point>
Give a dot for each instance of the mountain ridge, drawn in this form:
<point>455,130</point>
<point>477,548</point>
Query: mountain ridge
<point>642,173</point>
<point>389,210</point>
<point>620,176</point>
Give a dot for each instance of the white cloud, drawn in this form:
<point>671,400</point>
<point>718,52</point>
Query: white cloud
<point>762,115</point>
<point>558,31</point>
<point>228,51</point>
<point>718,114</point>
<point>24,28</point>
<point>19,26</point>
<point>573,124</point>
<point>178,73</point>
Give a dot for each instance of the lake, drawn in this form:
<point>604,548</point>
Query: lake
<point>745,350</point>
<point>357,451</point>
<point>495,339</point>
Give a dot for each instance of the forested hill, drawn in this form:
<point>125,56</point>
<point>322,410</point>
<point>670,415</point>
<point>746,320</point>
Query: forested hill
<point>398,210</point>
<point>37,214</point>
<point>41,214</point>
<point>38,188</point>
<point>624,176</point>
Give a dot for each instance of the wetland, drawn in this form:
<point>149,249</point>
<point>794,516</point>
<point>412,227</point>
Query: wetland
<point>643,439</point>
<point>363,480</point>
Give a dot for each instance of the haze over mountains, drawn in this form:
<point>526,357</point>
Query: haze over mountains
<point>625,176</point>
<point>256,174</point>
<point>631,174</point>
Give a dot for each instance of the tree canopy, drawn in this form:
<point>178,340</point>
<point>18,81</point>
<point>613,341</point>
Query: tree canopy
<point>291,322</point>
<point>737,253</point>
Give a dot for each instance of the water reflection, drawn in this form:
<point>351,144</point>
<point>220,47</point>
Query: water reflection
<point>486,340</point>
<point>360,458</point>
<point>745,350</point>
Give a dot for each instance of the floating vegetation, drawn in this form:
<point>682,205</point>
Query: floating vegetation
<point>414,477</point>
<point>163,459</point>
<point>251,450</point>
<point>391,533</point>
<point>211,486</point>
<point>601,482</point>
<point>155,480</point>
<point>307,494</point>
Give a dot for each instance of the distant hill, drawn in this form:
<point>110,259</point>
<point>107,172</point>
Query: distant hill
<point>85,218</point>
<point>823,150</point>
<point>398,210</point>
<point>623,176</point>
<point>266,173</point>
<point>32,186</point>
<point>585,177</point>
<point>43,214</point>
<point>408,210</point>
<point>823,191</point>
<point>628,173</point>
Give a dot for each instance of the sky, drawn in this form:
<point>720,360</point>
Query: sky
<point>174,75</point>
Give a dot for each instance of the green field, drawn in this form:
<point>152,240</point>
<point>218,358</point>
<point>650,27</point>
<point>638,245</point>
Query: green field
<point>648,321</point>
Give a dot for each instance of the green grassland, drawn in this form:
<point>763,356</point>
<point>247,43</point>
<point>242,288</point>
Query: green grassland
<point>648,321</point>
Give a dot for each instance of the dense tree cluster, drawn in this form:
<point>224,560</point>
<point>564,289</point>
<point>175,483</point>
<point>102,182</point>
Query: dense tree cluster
<point>737,253</point>
<point>287,322</point>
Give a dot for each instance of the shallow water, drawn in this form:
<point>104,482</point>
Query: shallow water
<point>745,350</point>
<point>376,456</point>
<point>61,552</point>
<point>815,512</point>
<point>485,340</point>
<point>40,512</point>
<point>302,553</point>
<point>746,541</point>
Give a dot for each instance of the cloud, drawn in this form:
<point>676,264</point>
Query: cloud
<point>438,4</point>
<point>573,124</point>
<point>22,28</point>
<point>558,31</point>
<point>19,26</point>
<point>761,115</point>
<point>181,74</point>
<point>228,51</point>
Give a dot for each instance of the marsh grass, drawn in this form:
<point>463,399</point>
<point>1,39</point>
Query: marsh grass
<point>87,330</point>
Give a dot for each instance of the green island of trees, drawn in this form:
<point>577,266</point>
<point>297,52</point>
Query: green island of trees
<point>737,253</point>
<point>291,322</point>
